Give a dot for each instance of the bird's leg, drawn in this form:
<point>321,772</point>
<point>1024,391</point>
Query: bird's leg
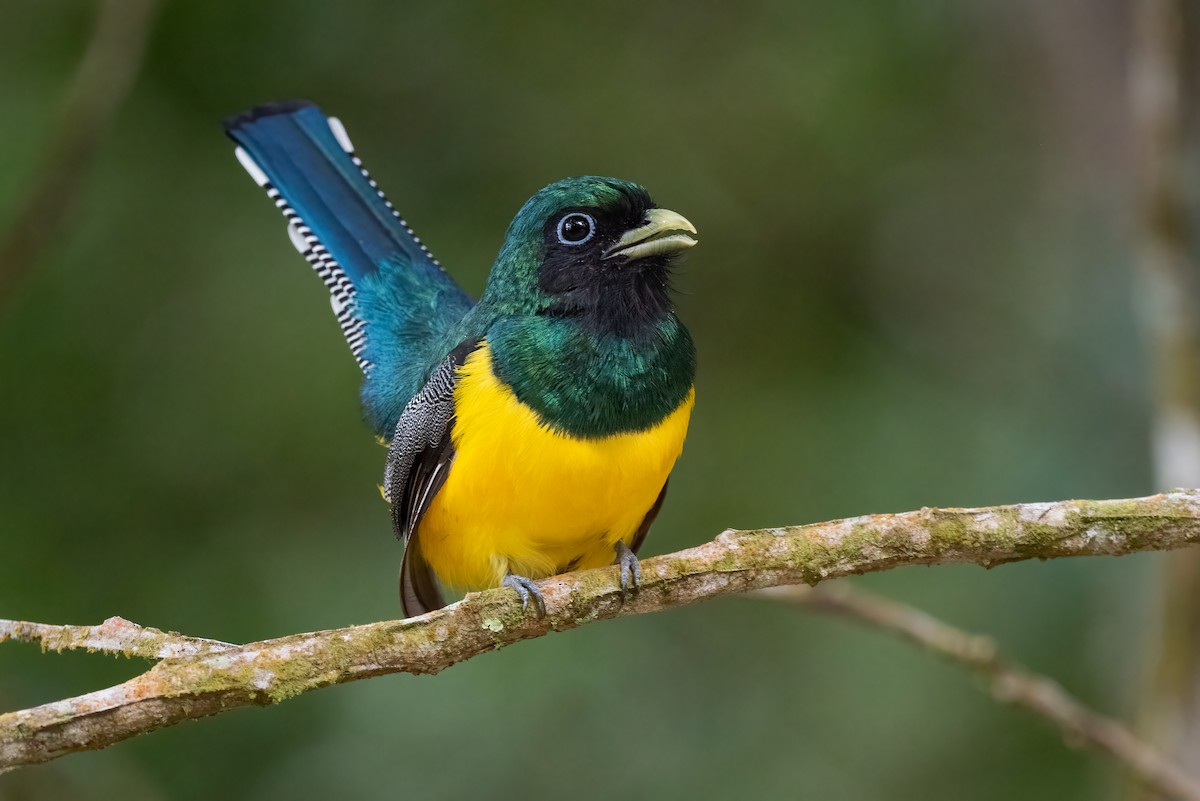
<point>631,571</point>
<point>525,588</point>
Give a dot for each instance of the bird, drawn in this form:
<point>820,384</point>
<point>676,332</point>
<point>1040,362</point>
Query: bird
<point>530,432</point>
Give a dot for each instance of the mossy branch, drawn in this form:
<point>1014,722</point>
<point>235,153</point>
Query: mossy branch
<point>114,636</point>
<point>214,679</point>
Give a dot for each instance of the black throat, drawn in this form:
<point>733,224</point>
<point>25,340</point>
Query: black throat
<point>624,300</point>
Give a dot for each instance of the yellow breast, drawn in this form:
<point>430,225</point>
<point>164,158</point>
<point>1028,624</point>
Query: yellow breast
<point>525,499</point>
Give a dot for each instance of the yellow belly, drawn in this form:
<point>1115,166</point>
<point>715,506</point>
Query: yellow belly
<point>522,498</point>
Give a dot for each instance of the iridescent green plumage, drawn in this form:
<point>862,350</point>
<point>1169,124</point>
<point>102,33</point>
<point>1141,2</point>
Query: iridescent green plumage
<point>594,384</point>
<point>572,370</point>
<point>615,358</point>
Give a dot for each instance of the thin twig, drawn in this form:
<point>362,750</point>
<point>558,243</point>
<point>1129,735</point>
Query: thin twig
<point>265,672</point>
<point>114,636</point>
<point>1009,682</point>
<point>102,81</point>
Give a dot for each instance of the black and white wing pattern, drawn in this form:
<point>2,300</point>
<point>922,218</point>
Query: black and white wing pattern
<point>419,460</point>
<point>351,234</point>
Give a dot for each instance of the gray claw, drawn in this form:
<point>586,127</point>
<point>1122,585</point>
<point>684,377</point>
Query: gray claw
<point>631,570</point>
<point>525,588</point>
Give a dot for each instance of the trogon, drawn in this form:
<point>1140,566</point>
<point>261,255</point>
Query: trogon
<point>531,432</point>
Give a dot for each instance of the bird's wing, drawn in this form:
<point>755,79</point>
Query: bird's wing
<point>644,528</point>
<point>391,297</point>
<point>419,460</point>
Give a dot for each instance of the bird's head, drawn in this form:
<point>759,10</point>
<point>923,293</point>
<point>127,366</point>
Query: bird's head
<point>593,248</point>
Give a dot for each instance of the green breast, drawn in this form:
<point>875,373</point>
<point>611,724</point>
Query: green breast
<point>593,385</point>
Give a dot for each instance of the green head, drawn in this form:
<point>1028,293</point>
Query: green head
<point>593,248</point>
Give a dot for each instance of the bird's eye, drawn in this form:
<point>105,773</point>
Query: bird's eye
<point>576,228</point>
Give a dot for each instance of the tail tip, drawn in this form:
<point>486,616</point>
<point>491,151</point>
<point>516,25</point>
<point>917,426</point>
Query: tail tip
<point>339,133</point>
<point>237,121</point>
<point>250,166</point>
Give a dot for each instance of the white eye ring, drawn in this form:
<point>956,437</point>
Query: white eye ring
<point>572,219</point>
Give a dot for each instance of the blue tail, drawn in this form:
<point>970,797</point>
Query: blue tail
<point>391,297</point>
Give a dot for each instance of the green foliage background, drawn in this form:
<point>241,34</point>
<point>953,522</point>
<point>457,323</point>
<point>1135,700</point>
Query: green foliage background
<point>913,289</point>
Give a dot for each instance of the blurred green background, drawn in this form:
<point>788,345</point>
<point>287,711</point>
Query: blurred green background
<point>913,289</point>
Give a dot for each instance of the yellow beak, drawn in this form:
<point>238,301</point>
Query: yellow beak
<point>665,231</point>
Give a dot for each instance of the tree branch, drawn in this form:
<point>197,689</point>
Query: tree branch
<point>1009,682</point>
<point>114,636</point>
<point>188,687</point>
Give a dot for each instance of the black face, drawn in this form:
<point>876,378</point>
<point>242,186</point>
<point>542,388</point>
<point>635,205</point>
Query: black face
<point>615,295</point>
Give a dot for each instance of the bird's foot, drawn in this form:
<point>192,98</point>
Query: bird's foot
<point>525,588</point>
<point>631,571</point>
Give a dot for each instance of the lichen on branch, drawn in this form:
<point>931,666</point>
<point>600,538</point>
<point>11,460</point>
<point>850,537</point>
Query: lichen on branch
<point>214,677</point>
<point>114,636</point>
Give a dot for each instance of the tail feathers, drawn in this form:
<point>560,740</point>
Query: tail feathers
<point>340,221</point>
<point>419,592</point>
